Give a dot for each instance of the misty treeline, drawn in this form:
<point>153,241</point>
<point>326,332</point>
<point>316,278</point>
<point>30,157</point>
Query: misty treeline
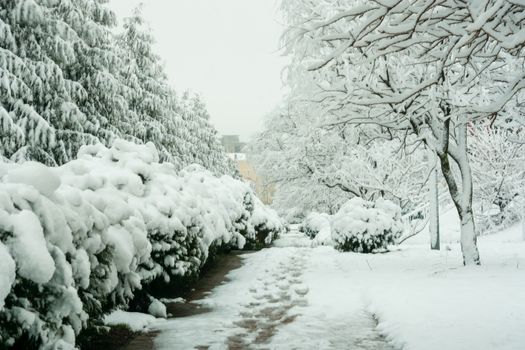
<point>382,92</point>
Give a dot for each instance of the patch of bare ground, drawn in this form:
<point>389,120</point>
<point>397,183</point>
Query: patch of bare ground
<point>214,276</point>
<point>142,341</point>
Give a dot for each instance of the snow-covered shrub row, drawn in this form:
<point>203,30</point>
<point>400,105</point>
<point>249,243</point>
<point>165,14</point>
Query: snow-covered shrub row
<point>365,227</point>
<point>80,240</point>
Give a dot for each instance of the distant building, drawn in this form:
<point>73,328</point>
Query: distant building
<point>237,157</point>
<point>232,144</point>
<point>233,148</point>
<point>262,188</point>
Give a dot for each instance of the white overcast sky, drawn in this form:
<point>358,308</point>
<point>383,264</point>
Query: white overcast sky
<point>225,50</point>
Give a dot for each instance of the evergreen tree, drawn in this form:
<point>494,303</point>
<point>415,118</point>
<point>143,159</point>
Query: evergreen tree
<point>55,62</point>
<point>179,128</point>
<point>206,149</point>
<point>32,85</point>
<point>145,75</point>
<point>97,68</point>
<point>67,80</point>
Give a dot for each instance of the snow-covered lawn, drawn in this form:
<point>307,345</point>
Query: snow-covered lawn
<point>304,298</point>
<point>429,301</point>
<point>422,299</point>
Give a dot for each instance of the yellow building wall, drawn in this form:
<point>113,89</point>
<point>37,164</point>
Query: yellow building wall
<point>264,190</point>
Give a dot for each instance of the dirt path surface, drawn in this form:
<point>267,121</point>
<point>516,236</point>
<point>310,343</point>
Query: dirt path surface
<point>145,341</point>
<point>212,277</point>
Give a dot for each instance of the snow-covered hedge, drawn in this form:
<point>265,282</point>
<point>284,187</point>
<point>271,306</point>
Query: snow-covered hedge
<point>365,227</point>
<point>81,240</point>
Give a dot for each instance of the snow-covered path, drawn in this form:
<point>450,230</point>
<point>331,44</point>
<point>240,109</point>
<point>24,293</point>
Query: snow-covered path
<point>295,297</point>
<point>286,297</point>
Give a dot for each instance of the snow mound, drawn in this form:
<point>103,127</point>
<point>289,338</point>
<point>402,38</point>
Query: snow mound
<point>36,175</point>
<point>136,321</point>
<point>157,309</point>
<point>28,247</point>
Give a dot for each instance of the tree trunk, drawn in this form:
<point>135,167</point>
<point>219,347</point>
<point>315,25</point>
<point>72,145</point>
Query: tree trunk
<point>462,200</point>
<point>469,245</point>
<point>433,202</point>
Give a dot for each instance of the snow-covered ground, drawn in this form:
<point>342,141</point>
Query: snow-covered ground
<point>316,298</point>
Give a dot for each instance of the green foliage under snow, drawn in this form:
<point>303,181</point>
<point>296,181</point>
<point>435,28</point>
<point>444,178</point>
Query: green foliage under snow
<point>82,239</point>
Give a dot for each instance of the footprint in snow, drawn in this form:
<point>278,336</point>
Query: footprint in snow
<point>302,290</point>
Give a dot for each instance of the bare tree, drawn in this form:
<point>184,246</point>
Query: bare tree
<point>426,68</point>
<point>319,168</point>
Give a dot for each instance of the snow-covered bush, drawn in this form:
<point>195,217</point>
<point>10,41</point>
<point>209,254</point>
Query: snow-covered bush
<point>81,240</point>
<point>315,223</point>
<point>366,227</point>
<point>41,302</point>
<point>317,227</point>
<point>267,226</point>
